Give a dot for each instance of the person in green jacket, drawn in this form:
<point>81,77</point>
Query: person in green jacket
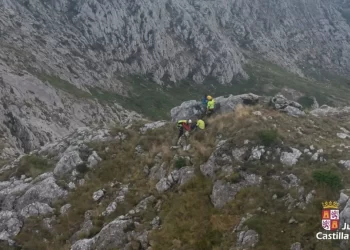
<point>210,106</point>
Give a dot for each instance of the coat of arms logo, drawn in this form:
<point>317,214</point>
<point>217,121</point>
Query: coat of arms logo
<point>330,215</point>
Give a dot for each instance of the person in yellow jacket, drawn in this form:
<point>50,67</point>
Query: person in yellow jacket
<point>200,124</point>
<point>210,105</point>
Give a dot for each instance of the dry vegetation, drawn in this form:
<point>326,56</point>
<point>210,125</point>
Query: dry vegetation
<point>277,130</point>
<point>189,221</point>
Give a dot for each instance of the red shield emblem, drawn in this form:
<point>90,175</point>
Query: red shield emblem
<point>330,219</point>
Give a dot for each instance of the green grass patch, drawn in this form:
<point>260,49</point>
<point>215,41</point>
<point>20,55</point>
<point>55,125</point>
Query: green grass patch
<point>268,137</point>
<point>180,163</point>
<point>268,79</point>
<point>63,85</point>
<point>33,229</point>
<point>328,177</point>
<point>32,166</point>
<point>306,101</point>
<point>155,101</point>
<point>235,177</point>
<point>188,219</point>
<point>273,227</point>
<point>104,96</point>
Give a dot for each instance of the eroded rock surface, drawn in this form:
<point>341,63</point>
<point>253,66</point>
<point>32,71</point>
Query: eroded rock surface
<point>223,104</point>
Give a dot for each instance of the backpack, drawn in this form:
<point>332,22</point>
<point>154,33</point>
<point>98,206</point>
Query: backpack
<point>179,123</point>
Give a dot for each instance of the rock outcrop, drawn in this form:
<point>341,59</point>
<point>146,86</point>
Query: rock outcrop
<point>33,113</point>
<point>224,192</point>
<point>116,233</point>
<point>296,246</point>
<point>290,158</point>
<point>10,225</point>
<point>20,200</point>
<point>291,107</point>
<point>247,239</point>
<point>177,176</point>
<point>195,109</point>
<point>326,110</point>
<point>26,197</point>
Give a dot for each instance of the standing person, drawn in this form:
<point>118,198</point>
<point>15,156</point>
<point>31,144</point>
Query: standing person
<point>184,125</point>
<point>210,106</point>
<point>204,100</point>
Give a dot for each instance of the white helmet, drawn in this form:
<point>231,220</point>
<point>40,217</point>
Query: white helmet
<point>189,121</point>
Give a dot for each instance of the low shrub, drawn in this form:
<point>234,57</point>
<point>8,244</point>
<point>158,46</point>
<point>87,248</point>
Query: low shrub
<point>180,163</point>
<point>268,137</point>
<point>329,178</point>
<point>32,166</point>
<point>82,168</point>
<point>234,177</point>
<point>306,101</point>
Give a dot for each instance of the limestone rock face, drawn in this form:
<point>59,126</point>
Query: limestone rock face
<point>292,108</point>
<point>248,239</point>
<point>10,225</point>
<point>36,209</point>
<point>223,105</point>
<point>173,39</point>
<point>82,47</point>
<point>22,197</point>
<point>33,114</point>
<point>290,158</point>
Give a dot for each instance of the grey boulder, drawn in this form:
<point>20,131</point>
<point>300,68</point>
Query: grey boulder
<point>195,109</point>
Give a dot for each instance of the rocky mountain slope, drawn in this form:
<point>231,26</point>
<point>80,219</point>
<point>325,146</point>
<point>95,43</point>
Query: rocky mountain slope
<point>254,179</point>
<point>33,114</point>
<point>64,64</point>
<point>71,181</point>
<point>88,42</point>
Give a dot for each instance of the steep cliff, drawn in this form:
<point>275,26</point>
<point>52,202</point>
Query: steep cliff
<point>33,113</point>
<point>85,49</point>
<point>88,42</point>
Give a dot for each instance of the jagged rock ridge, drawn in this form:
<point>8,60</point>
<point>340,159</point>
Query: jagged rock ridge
<point>237,163</point>
<point>93,43</point>
<point>87,42</point>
